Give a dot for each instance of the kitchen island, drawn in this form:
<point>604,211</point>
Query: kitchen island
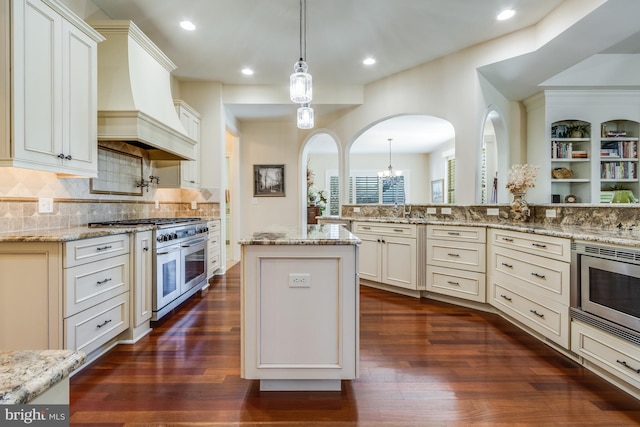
<point>37,376</point>
<point>300,307</point>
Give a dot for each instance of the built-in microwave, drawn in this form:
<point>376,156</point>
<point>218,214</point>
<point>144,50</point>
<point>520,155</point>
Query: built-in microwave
<point>605,287</point>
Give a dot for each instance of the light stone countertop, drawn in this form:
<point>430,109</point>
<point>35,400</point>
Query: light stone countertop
<point>625,237</point>
<point>67,234</point>
<point>327,234</point>
<point>24,375</point>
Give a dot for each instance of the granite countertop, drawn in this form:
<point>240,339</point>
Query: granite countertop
<point>24,375</point>
<point>326,234</point>
<point>67,234</point>
<point>615,236</point>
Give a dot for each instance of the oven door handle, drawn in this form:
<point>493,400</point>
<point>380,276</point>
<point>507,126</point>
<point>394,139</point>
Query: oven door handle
<point>194,243</point>
<point>169,250</point>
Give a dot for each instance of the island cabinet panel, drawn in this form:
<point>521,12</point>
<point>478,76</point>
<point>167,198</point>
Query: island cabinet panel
<point>300,310</point>
<point>30,296</point>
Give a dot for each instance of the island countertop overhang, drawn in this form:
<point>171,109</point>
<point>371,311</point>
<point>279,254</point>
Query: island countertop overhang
<point>325,234</point>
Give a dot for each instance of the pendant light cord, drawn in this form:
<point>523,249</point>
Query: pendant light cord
<point>303,29</point>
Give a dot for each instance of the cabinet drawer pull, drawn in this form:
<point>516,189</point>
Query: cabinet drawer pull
<point>398,230</point>
<point>102,282</point>
<point>539,276</point>
<point>626,365</point>
<point>507,239</point>
<point>451,282</point>
<point>505,297</point>
<point>104,248</point>
<point>454,255</point>
<point>507,265</point>
<point>536,313</point>
<point>539,245</point>
<point>104,323</point>
<point>366,228</point>
<point>453,233</point>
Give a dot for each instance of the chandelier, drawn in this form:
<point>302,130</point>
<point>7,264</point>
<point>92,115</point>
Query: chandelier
<point>389,174</point>
<point>300,89</point>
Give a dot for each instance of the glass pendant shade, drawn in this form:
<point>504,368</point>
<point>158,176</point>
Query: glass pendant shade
<point>305,117</point>
<point>300,89</point>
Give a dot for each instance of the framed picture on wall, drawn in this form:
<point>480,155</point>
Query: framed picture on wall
<point>437,191</point>
<point>268,180</point>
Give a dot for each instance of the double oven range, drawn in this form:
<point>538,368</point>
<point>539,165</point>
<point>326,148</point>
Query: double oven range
<point>179,258</point>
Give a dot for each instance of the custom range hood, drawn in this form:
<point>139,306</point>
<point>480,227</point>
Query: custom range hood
<point>134,94</point>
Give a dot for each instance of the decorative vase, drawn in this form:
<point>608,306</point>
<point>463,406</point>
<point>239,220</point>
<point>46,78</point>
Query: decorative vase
<point>519,208</point>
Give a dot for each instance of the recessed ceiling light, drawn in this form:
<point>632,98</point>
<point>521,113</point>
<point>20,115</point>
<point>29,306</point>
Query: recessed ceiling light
<point>369,61</point>
<point>188,25</point>
<point>247,71</point>
<point>505,14</point>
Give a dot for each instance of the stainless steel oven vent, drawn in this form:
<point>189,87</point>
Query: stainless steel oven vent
<point>608,252</point>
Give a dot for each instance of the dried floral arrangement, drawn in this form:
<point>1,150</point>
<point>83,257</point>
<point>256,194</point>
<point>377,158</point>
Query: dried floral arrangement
<point>522,178</point>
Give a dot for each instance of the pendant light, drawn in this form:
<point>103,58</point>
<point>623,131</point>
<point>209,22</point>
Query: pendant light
<point>300,89</point>
<point>389,174</point>
<point>305,117</point>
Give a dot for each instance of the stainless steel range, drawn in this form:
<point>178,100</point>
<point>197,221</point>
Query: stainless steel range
<point>180,258</point>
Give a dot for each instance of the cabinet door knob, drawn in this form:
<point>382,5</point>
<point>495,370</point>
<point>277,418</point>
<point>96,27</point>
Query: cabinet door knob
<point>68,157</point>
<point>61,156</point>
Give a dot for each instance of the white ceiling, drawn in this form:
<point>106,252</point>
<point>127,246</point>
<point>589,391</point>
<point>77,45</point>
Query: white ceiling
<point>264,34</point>
<point>400,34</point>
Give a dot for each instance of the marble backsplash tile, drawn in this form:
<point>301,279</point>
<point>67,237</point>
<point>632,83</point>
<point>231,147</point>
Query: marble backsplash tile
<point>22,215</point>
<point>625,217</point>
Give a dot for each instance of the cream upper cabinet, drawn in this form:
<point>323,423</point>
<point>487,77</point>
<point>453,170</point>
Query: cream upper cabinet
<point>49,67</point>
<point>186,173</point>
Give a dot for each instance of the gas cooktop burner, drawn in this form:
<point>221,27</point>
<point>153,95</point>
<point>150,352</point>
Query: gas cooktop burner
<point>143,221</point>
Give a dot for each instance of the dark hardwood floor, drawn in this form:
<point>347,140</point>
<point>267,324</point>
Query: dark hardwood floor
<point>422,363</point>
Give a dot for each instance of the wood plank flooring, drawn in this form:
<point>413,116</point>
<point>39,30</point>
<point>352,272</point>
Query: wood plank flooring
<point>423,363</point>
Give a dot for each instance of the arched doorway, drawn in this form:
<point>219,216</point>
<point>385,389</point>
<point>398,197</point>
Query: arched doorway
<point>494,163</point>
<point>417,148</point>
<point>320,176</point>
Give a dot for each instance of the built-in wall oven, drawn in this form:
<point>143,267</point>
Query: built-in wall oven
<point>605,288</point>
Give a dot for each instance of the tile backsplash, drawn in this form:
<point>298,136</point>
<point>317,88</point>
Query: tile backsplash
<point>75,205</point>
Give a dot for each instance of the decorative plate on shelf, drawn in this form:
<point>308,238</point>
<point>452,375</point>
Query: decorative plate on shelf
<point>561,173</point>
<point>571,199</point>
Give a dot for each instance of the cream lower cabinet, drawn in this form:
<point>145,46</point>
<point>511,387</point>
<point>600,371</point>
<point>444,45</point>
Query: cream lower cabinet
<point>142,282</point>
<point>456,261</point>
<point>214,248</point>
<point>613,355</point>
<point>529,281</point>
<point>388,253</point>
<point>49,59</point>
<point>96,291</point>
<point>30,295</point>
